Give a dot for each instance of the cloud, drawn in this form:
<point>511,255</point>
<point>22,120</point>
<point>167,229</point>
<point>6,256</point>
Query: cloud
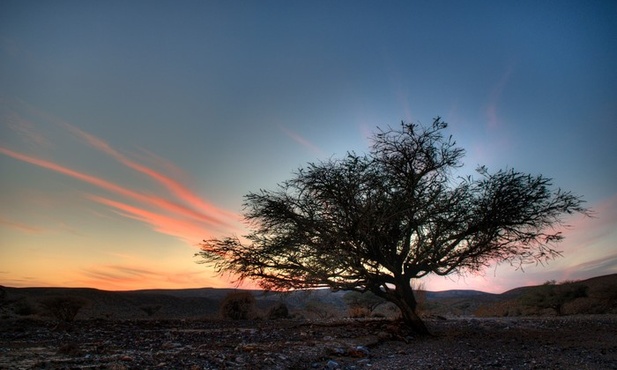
<point>188,230</point>
<point>208,217</point>
<point>24,128</point>
<point>122,277</point>
<point>302,141</point>
<point>600,266</point>
<point>179,190</point>
<point>107,185</point>
<point>20,226</point>
<point>494,121</point>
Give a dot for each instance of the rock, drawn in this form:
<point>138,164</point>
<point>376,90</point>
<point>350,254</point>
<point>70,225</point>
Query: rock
<point>359,351</point>
<point>331,365</point>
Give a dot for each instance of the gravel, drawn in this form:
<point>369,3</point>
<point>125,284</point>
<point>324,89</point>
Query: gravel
<point>572,342</point>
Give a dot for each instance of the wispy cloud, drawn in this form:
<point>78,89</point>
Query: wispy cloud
<point>158,202</point>
<point>23,128</point>
<point>302,141</point>
<point>20,226</point>
<point>492,114</point>
<point>122,277</point>
<point>179,190</point>
<point>184,229</point>
<point>178,207</point>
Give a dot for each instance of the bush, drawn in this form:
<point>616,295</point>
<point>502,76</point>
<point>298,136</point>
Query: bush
<point>63,308</point>
<point>357,312</point>
<point>360,303</point>
<point>278,311</point>
<point>150,309</point>
<point>238,306</point>
<point>23,307</point>
<point>320,309</point>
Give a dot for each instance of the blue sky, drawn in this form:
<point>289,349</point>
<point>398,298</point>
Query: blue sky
<point>131,130</point>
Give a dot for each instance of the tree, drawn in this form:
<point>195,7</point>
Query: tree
<point>377,221</point>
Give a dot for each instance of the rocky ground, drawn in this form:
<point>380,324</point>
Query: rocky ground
<point>573,342</point>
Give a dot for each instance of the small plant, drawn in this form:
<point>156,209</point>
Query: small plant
<point>63,308</point>
<point>278,311</point>
<point>320,309</point>
<point>3,295</point>
<point>70,349</point>
<point>151,309</point>
<point>357,312</point>
<point>238,306</point>
<point>23,307</point>
<point>362,304</point>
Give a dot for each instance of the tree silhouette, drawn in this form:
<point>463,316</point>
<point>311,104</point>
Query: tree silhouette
<point>374,222</point>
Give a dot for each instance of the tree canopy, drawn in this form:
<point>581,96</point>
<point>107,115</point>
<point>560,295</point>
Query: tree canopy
<point>374,222</point>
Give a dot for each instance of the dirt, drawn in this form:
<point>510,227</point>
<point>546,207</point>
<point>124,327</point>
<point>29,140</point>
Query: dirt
<point>573,342</point>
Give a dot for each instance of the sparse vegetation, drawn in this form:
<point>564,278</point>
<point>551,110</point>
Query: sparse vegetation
<point>554,296</point>
<point>239,306</point>
<point>362,304</point>
<point>3,296</point>
<point>320,309</point>
<point>278,311</point>
<point>63,308</point>
<point>24,307</point>
<point>150,309</point>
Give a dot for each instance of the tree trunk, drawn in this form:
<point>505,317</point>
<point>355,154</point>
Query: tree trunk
<point>411,318</point>
<point>406,302</point>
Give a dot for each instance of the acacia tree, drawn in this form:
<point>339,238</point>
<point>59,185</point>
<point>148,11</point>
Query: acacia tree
<point>374,222</point>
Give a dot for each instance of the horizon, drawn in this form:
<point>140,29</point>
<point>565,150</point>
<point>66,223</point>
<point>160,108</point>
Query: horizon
<point>297,290</point>
<point>130,132</point>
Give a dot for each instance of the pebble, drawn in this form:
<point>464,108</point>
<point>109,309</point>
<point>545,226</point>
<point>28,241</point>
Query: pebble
<point>331,365</point>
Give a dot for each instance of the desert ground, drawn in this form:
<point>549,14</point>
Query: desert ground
<point>572,342</point>
<point>184,329</point>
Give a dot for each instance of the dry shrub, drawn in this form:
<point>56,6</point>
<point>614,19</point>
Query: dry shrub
<point>419,292</point>
<point>239,306</point>
<point>63,308</point>
<point>321,310</point>
<point>499,309</point>
<point>278,311</point>
<point>70,349</point>
<point>150,309</point>
<point>24,307</point>
<point>359,312</point>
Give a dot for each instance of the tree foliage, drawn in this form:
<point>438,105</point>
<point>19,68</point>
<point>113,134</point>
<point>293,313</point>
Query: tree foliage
<point>374,222</point>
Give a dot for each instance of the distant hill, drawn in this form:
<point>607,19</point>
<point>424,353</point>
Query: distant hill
<point>204,302</point>
<point>600,297</point>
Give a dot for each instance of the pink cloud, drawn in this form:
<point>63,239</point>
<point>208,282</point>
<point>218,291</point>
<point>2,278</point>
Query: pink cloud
<point>122,277</point>
<point>302,141</point>
<point>25,129</point>
<point>216,221</point>
<point>20,226</point>
<point>187,230</point>
<point>176,188</point>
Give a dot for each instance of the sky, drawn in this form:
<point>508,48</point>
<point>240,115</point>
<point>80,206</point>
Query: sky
<point>131,130</point>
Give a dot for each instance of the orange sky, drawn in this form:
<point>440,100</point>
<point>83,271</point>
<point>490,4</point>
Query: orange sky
<point>129,132</point>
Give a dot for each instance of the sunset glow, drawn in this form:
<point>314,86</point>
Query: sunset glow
<point>130,133</point>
